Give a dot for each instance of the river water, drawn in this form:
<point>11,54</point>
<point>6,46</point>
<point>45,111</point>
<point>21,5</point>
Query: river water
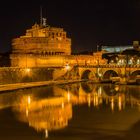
<point>82,111</point>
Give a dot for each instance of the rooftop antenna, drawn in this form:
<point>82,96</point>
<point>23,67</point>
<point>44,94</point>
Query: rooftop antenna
<point>44,22</point>
<point>97,48</point>
<point>40,15</point>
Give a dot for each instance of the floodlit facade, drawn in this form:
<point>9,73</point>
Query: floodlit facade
<point>43,40</point>
<point>43,46</point>
<point>122,55</point>
<point>40,46</point>
<point>115,49</point>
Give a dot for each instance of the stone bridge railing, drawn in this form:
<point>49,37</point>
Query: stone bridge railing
<point>109,66</point>
<point>109,72</point>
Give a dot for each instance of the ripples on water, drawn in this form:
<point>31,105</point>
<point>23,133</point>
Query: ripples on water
<point>82,111</point>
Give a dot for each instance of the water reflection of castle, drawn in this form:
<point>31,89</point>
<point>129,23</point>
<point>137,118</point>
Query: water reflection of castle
<point>54,113</point>
<point>47,113</point>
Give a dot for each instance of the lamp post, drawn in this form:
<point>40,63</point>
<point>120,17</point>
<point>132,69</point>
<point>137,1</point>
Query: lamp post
<point>67,67</point>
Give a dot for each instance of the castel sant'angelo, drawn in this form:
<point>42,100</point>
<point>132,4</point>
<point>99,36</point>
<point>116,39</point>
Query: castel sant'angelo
<point>43,45</point>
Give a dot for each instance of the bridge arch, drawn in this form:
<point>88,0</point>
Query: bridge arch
<point>110,73</point>
<point>87,87</point>
<point>111,90</point>
<point>87,74</point>
<point>134,74</point>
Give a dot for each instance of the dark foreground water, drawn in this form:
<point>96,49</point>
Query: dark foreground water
<point>82,111</point>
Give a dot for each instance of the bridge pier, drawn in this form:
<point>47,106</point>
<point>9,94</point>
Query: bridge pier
<point>123,80</point>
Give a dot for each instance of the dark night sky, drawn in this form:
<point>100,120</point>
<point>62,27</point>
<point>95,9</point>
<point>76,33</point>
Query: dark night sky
<point>87,22</point>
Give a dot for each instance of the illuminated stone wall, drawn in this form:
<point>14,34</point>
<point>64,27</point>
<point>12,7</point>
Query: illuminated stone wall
<point>18,75</point>
<point>27,60</point>
<point>43,40</point>
<point>46,47</point>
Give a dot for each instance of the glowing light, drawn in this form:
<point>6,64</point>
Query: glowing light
<point>88,61</point>
<point>112,104</point>
<point>112,61</point>
<point>89,100</point>
<point>121,62</point>
<point>100,75</point>
<point>130,62</point>
<point>68,96</point>
<point>99,72</point>
<point>29,100</point>
<point>99,90</point>
<point>27,70</point>
<point>120,103</point>
<point>138,61</point>
<point>96,100</point>
<point>67,66</point>
<point>116,88</point>
<point>46,134</point>
<point>27,112</point>
<point>62,105</point>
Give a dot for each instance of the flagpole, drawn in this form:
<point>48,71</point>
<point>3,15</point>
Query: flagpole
<point>97,47</point>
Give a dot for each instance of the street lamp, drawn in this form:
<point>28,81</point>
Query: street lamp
<point>67,67</point>
<point>27,70</point>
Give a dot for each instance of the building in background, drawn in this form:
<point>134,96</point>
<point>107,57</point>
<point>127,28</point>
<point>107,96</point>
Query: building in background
<point>122,55</point>
<point>115,49</point>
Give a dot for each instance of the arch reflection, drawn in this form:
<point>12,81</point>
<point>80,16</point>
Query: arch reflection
<point>114,96</point>
<point>87,87</point>
<point>47,113</point>
<point>111,89</point>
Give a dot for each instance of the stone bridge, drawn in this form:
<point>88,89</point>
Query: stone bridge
<point>108,72</point>
<point>102,73</point>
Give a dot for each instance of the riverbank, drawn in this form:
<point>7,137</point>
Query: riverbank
<point>10,87</point>
<point>16,86</point>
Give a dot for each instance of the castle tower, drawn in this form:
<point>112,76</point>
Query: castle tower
<point>43,40</point>
<point>39,43</point>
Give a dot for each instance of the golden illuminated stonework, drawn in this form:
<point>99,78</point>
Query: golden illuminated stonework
<point>43,40</point>
<point>46,114</point>
<point>45,46</point>
<point>40,46</point>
